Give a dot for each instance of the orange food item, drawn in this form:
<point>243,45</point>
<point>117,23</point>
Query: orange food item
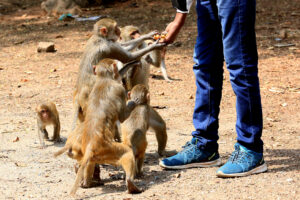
<point>156,37</point>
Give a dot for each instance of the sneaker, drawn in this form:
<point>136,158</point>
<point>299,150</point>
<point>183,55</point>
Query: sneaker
<point>243,162</point>
<point>191,156</point>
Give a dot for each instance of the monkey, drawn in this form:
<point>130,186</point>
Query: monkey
<point>140,75</point>
<point>155,58</point>
<point>106,105</point>
<point>58,7</point>
<point>102,44</point>
<point>84,93</point>
<point>134,128</point>
<point>73,148</point>
<point>73,144</point>
<point>47,114</point>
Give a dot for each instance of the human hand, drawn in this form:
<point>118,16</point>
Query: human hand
<point>173,28</point>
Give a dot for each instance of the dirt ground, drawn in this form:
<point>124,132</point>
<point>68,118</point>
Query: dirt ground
<point>28,78</point>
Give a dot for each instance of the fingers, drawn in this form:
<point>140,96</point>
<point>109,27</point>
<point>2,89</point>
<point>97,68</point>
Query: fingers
<point>151,34</point>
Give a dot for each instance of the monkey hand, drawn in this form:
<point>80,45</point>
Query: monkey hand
<point>131,104</point>
<point>158,45</point>
<point>150,35</point>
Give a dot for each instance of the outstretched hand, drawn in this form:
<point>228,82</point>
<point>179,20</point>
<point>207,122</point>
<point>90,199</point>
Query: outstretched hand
<point>173,28</point>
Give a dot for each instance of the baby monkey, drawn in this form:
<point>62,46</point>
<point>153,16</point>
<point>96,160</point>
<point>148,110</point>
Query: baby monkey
<point>47,115</point>
<point>135,127</point>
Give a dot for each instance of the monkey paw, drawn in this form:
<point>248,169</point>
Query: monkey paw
<point>56,140</point>
<point>93,183</point>
<point>132,189</point>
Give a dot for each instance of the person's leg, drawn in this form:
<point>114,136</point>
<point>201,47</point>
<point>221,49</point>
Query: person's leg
<point>238,20</point>
<point>208,70</point>
<point>202,150</point>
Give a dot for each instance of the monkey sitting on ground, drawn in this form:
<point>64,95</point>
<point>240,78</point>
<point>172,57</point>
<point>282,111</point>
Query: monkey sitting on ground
<point>135,127</point>
<point>106,105</point>
<point>57,7</point>
<point>102,45</point>
<point>47,115</point>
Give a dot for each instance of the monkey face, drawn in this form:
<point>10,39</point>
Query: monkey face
<point>45,115</point>
<point>135,34</point>
<point>139,94</point>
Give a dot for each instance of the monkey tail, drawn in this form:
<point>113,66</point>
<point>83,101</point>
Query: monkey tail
<point>64,149</point>
<point>86,159</point>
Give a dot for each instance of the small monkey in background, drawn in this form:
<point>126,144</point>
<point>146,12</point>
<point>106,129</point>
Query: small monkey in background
<point>47,115</point>
<point>134,128</point>
<point>58,7</point>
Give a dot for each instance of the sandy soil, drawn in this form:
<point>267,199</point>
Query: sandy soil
<point>28,77</point>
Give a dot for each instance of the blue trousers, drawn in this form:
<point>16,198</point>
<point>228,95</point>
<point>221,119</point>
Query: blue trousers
<point>226,30</point>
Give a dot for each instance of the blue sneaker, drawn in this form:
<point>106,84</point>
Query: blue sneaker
<point>243,162</point>
<point>191,156</point>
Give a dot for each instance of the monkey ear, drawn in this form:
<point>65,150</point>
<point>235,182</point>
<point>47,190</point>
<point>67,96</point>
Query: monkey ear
<point>103,31</point>
<point>116,71</point>
<point>128,95</point>
<point>94,69</point>
<point>148,97</point>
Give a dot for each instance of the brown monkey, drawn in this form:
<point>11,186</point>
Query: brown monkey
<point>156,57</point>
<point>73,144</point>
<point>73,148</point>
<point>135,127</point>
<point>58,7</point>
<point>47,115</point>
<point>102,45</point>
<point>140,76</point>
<point>106,105</point>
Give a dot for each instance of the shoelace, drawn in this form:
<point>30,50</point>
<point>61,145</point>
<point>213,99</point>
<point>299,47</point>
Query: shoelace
<point>190,148</point>
<point>238,156</point>
<point>188,143</point>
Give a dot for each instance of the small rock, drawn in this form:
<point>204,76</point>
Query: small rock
<point>289,180</point>
<point>16,139</point>
<point>283,45</point>
<point>46,47</point>
<point>283,34</point>
<point>284,104</point>
<point>162,93</point>
<point>24,80</point>
<point>19,164</point>
<point>191,97</point>
<point>178,175</point>
<point>53,70</point>
<point>59,36</point>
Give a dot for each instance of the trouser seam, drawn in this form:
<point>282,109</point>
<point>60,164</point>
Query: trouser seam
<point>245,74</point>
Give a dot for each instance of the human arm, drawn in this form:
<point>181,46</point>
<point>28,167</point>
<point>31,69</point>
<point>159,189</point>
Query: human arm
<point>174,27</point>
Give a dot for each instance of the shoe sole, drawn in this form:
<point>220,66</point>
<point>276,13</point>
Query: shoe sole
<point>214,163</point>
<point>259,169</point>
